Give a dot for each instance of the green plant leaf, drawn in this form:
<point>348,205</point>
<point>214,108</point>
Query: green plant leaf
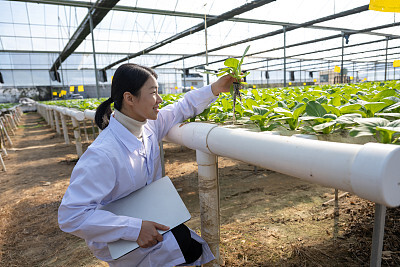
<point>315,109</point>
<point>372,122</point>
<point>330,116</point>
<point>321,127</point>
<point>260,111</point>
<point>389,115</point>
<point>244,54</point>
<point>374,107</point>
<point>384,93</point>
<point>332,109</point>
<point>298,110</point>
<point>395,124</point>
<point>348,119</point>
<point>336,101</point>
<point>283,111</point>
<point>231,62</point>
<point>350,108</point>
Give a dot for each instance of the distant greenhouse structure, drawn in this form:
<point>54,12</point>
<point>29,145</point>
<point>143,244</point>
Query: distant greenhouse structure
<point>51,46</point>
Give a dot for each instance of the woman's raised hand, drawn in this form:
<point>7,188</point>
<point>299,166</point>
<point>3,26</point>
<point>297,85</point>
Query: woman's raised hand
<point>223,84</point>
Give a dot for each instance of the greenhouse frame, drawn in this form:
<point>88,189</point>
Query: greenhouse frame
<point>48,46</point>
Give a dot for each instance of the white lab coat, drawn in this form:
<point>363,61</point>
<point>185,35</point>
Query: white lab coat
<point>115,165</point>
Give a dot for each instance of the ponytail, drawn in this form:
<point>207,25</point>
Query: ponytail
<point>103,113</point>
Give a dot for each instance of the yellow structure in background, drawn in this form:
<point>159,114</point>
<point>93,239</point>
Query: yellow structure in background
<point>290,83</point>
<point>315,80</point>
<point>351,77</point>
<point>72,88</point>
<point>336,69</point>
<point>385,5</point>
<point>176,87</point>
<point>191,87</point>
<point>55,93</point>
<point>254,86</point>
<point>396,63</point>
<point>80,88</point>
<point>63,92</point>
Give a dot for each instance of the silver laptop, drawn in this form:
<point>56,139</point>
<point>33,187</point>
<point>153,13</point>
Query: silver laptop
<point>158,202</point>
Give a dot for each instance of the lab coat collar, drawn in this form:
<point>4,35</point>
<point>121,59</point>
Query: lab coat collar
<point>124,135</point>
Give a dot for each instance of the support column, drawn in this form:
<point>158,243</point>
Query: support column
<point>341,66</point>
<point>2,163</point>
<point>94,54</point>
<point>57,122</point>
<point>161,144</point>
<point>387,44</point>
<point>284,56</point>
<point>65,128</point>
<point>51,122</point>
<point>11,120</point>
<point>5,132</point>
<point>205,32</point>
<point>300,74</point>
<point>93,131</point>
<point>85,131</point>
<point>209,202</point>
<point>377,235</point>
<point>77,136</point>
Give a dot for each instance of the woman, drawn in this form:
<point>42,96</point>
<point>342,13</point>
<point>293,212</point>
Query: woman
<point>124,158</point>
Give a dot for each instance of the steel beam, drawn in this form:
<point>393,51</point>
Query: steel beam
<point>199,27</point>
<point>84,4</point>
<point>269,34</point>
<point>83,30</point>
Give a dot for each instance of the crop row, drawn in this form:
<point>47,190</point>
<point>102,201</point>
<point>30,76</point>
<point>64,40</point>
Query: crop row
<point>362,109</point>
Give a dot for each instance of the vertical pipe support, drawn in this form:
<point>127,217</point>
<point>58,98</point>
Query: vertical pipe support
<point>93,131</point>
<point>209,202</point>
<point>51,121</point>
<point>77,135</point>
<point>161,144</point>
<point>5,132</point>
<point>377,235</point>
<point>85,131</point>
<point>11,120</point>
<point>57,122</point>
<point>2,163</point>
<point>65,128</point>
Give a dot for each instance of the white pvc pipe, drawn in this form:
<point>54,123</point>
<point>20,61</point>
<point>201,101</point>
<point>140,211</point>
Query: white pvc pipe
<point>51,121</point>
<point>77,136</point>
<point>209,202</point>
<point>5,131</point>
<point>64,127</point>
<point>89,114</point>
<point>371,171</point>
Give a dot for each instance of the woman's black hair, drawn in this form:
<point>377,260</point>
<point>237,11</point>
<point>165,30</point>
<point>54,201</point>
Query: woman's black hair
<point>127,78</point>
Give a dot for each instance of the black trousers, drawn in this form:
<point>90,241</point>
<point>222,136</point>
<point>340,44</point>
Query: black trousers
<point>191,249</point>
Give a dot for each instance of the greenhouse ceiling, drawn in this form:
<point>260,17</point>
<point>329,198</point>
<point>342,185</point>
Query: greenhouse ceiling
<point>172,35</point>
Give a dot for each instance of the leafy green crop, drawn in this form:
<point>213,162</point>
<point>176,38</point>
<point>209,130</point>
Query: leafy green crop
<point>361,109</point>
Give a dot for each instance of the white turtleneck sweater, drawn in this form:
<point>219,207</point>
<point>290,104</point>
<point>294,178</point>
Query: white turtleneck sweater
<point>134,126</point>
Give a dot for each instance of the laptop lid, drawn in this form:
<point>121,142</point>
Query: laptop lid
<point>158,202</point>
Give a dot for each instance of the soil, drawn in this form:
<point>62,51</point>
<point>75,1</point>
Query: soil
<point>267,218</point>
